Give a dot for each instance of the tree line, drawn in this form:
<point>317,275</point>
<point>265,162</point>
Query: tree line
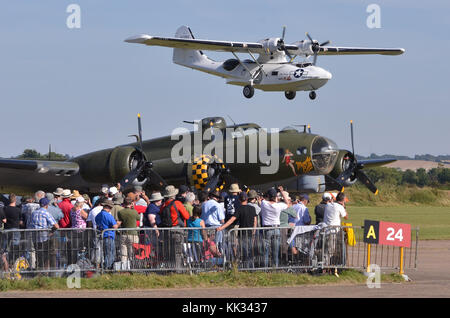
<point>435,177</point>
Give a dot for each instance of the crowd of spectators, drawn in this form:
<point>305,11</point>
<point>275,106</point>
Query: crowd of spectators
<point>175,208</point>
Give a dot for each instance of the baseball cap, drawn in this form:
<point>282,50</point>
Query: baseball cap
<point>113,190</point>
<point>183,189</point>
<point>272,193</point>
<point>326,196</point>
<point>44,202</point>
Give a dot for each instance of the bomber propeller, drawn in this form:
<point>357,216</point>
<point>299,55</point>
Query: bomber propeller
<point>353,170</point>
<point>143,169</point>
<point>315,46</point>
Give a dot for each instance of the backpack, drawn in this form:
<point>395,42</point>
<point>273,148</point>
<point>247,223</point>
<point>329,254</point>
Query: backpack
<point>166,215</point>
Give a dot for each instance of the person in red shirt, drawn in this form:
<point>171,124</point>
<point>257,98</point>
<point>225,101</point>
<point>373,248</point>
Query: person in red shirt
<point>183,214</point>
<point>65,207</point>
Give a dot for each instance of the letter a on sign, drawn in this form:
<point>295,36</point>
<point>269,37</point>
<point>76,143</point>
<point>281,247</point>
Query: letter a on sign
<point>371,230</point>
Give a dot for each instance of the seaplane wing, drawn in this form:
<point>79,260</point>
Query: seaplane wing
<point>335,50</point>
<point>198,44</point>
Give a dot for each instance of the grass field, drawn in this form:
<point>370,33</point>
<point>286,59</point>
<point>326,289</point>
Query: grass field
<point>230,278</point>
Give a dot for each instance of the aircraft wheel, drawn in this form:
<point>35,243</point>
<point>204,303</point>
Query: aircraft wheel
<point>312,95</point>
<point>248,91</point>
<point>290,94</point>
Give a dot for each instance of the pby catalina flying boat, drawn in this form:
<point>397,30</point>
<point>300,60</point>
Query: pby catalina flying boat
<point>273,70</point>
<point>304,162</point>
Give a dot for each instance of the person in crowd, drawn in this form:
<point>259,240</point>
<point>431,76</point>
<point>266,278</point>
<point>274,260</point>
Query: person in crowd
<point>151,215</point>
<point>141,197</point>
<point>41,219</point>
<point>30,206</point>
<point>335,211</point>
<point>53,207</point>
<point>183,190</point>
<point>57,195</point>
<point>245,215</point>
<point>270,217</point>
<point>179,214</point>
<point>11,217</point>
<point>178,217</point>
<point>189,202</point>
<point>319,209</point>
<point>202,197</point>
<point>303,217</point>
<point>104,220</point>
<point>78,215</point>
<point>214,216</point>
<point>195,237</point>
<point>78,239</point>
<point>103,192</point>
<point>128,217</point>
<point>253,200</point>
<point>231,201</point>
<point>117,200</point>
<point>66,206</point>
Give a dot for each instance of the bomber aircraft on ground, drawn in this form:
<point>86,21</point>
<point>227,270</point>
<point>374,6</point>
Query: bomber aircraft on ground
<point>273,70</point>
<point>302,161</point>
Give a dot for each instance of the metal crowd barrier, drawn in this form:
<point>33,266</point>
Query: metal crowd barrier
<point>27,253</point>
<point>31,252</point>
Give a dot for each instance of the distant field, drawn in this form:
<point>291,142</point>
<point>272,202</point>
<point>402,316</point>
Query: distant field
<point>433,222</point>
<point>415,164</point>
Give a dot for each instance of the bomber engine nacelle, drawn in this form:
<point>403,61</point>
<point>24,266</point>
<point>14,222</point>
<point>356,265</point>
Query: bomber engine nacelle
<point>271,45</point>
<point>110,165</point>
<point>304,48</point>
<point>344,160</point>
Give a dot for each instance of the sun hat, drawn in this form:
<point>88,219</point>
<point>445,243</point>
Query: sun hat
<point>66,193</point>
<point>113,190</point>
<point>58,191</point>
<point>252,194</point>
<point>75,194</point>
<point>108,203</point>
<point>234,188</point>
<point>171,191</point>
<point>156,197</point>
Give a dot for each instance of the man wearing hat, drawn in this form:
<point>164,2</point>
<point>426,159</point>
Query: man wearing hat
<point>213,215</point>
<point>319,209</point>
<point>53,208</point>
<point>104,220</point>
<point>179,214</point>
<point>66,206</point>
<point>151,215</point>
<point>57,195</point>
<point>41,219</point>
<point>232,201</point>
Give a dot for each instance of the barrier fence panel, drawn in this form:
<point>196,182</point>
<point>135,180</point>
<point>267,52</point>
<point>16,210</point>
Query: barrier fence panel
<point>162,250</point>
<point>31,252</point>
<point>26,253</point>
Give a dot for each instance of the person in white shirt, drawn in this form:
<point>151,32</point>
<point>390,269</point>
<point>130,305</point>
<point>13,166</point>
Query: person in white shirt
<point>270,217</point>
<point>335,210</point>
<point>303,217</point>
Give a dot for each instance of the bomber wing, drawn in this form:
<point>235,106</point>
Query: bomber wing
<point>198,44</point>
<point>372,163</point>
<point>25,176</point>
<point>337,50</point>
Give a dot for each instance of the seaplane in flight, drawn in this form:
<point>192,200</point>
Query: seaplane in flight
<point>275,68</point>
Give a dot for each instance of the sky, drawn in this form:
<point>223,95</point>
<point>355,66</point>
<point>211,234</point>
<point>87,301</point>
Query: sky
<point>80,89</point>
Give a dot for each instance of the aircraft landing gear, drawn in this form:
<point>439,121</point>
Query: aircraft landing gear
<point>248,91</point>
<point>290,94</point>
<point>312,95</point>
